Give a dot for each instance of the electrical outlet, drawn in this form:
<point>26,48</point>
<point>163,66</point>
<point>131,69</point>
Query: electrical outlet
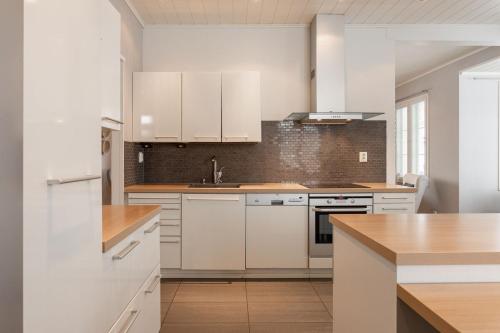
<point>363,157</point>
<point>140,157</point>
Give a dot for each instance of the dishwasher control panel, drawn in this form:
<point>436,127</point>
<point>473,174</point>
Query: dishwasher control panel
<point>277,199</point>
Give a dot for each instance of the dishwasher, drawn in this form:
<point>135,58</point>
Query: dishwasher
<point>277,231</point>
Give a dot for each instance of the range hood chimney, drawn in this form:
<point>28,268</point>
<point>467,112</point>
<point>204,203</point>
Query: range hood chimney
<point>328,75</point>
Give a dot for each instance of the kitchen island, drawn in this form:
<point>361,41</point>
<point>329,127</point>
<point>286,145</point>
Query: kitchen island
<point>375,253</point>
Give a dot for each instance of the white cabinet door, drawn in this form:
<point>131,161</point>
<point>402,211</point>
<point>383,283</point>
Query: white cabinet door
<point>241,107</point>
<point>370,71</point>
<point>110,66</point>
<point>157,107</point>
<point>62,224</point>
<point>213,231</point>
<point>201,107</point>
<point>277,237</point>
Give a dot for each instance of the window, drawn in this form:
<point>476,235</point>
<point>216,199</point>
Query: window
<point>411,136</point>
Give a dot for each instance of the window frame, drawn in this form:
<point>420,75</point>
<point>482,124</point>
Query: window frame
<point>407,103</point>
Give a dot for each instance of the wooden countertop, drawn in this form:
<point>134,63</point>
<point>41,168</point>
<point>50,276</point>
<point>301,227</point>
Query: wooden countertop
<point>455,307</point>
<point>424,239</point>
<point>120,221</point>
<point>267,188</point>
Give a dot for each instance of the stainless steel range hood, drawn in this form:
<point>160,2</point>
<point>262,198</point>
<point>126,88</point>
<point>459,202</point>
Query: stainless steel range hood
<point>328,75</point>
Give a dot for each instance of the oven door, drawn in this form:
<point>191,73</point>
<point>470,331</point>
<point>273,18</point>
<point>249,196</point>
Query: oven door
<point>321,230</point>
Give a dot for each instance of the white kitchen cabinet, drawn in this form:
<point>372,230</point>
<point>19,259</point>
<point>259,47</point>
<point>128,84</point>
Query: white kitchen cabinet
<point>110,66</point>
<point>62,223</point>
<point>370,71</point>
<point>128,266</point>
<point>170,224</point>
<point>201,107</point>
<point>277,237</point>
<point>157,107</point>
<point>241,107</point>
<point>394,203</point>
<point>142,313</point>
<point>213,231</point>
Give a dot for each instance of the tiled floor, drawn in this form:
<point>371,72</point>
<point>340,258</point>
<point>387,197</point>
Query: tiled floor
<point>298,306</point>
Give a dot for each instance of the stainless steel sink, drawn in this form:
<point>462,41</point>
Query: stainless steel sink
<point>210,185</point>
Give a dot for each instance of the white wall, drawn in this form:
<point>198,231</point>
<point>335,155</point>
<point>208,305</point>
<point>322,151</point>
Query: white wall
<point>131,49</point>
<point>11,167</point>
<point>479,141</point>
<point>281,54</point>
<point>443,193</point>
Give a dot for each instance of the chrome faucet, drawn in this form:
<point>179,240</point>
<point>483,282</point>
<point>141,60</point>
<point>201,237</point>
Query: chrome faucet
<point>217,175</point>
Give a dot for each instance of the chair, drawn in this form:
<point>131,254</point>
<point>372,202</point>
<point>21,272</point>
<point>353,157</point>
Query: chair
<point>420,183</point>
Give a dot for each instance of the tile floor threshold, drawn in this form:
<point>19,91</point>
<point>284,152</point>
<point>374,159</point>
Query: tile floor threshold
<point>256,306</point>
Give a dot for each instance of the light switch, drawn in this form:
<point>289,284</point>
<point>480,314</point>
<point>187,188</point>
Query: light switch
<point>141,157</point>
<point>363,157</point>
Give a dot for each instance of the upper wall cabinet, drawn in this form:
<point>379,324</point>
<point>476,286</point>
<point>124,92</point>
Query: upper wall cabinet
<point>370,71</point>
<point>241,107</point>
<point>110,66</point>
<point>197,107</point>
<point>201,107</point>
<point>157,107</point>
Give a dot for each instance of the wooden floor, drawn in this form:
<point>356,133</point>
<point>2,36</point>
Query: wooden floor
<point>297,306</point>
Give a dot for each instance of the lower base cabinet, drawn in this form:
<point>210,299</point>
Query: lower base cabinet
<point>213,231</point>
<point>132,274</point>
<point>142,314</point>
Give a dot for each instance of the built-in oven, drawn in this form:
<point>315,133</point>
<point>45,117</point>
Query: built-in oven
<point>320,228</point>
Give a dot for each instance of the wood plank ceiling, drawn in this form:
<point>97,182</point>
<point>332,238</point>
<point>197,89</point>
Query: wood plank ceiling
<point>302,11</point>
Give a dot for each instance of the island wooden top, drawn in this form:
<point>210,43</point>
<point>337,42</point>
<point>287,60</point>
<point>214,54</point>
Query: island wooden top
<point>427,239</point>
<point>267,188</point>
<point>455,307</point>
<point>120,221</point>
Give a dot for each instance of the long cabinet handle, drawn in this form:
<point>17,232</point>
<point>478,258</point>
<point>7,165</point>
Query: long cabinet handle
<point>153,228</point>
<point>206,137</point>
<point>153,285</point>
<point>60,181</point>
<point>170,242</point>
<point>166,137</point>
<point>395,209</point>
<point>389,198</point>
<point>112,120</point>
<point>339,210</point>
<point>130,321</point>
<point>213,199</point>
<point>123,253</point>
<point>171,225</point>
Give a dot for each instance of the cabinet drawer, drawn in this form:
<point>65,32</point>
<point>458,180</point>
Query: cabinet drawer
<point>154,196</point>
<point>393,198</point>
<point>151,258</point>
<point>170,214</point>
<point>142,314</point>
<point>408,208</point>
<point>149,320</point>
<point>170,228</point>
<point>128,319</point>
<point>170,256</point>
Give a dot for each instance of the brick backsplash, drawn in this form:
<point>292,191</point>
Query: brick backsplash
<point>288,152</point>
<point>134,171</point>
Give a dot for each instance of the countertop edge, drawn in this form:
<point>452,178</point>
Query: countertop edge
<point>378,248</point>
<point>425,312</point>
<point>118,237</point>
<point>163,188</point>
